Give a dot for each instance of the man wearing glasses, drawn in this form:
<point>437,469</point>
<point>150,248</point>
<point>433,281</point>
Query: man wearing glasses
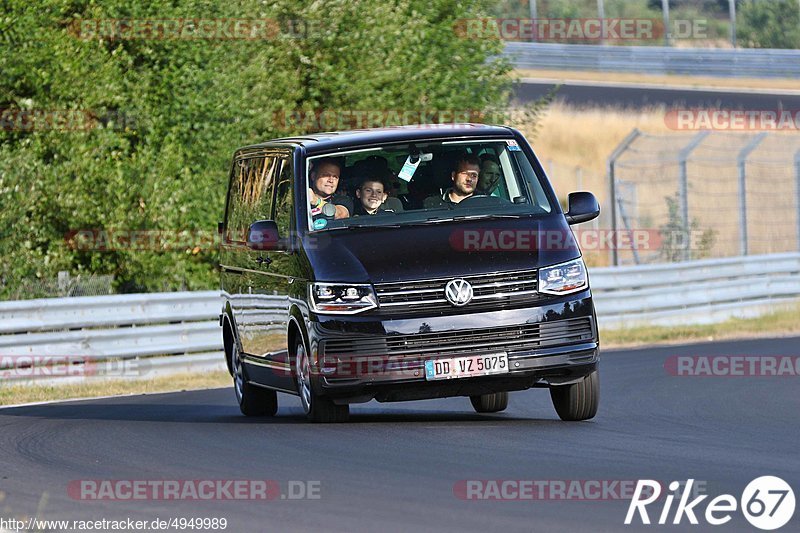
<point>465,180</point>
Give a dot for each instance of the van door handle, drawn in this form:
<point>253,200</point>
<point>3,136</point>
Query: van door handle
<point>263,260</point>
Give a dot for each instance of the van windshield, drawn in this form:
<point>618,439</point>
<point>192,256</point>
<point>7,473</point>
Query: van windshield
<point>423,183</point>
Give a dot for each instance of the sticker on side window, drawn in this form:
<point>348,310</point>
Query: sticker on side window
<point>513,146</point>
<point>407,172</point>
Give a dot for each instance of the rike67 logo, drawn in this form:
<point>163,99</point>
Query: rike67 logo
<point>767,503</point>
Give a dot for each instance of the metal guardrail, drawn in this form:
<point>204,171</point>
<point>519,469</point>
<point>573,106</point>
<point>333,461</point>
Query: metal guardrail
<point>109,336</point>
<point>694,292</point>
<point>106,333</point>
<point>723,62</point>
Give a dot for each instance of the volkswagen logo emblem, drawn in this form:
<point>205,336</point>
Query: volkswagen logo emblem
<point>458,292</point>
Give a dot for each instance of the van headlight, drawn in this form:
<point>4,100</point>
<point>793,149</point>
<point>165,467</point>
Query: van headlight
<point>564,278</point>
<point>341,298</point>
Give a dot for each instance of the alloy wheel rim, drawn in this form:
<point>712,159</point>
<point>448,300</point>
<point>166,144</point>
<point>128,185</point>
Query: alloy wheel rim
<point>304,378</point>
<point>238,377</point>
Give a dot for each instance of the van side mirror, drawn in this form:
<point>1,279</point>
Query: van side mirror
<point>263,235</point>
<point>582,206</point>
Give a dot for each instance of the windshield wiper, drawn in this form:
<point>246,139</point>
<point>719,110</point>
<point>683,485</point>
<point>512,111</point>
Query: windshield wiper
<point>355,226</point>
<point>454,218</point>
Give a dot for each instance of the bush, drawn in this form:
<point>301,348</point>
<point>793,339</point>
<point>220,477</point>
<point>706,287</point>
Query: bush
<point>773,24</point>
<point>168,113</point>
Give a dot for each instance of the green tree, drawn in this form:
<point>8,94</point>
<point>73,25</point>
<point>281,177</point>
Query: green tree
<point>167,114</point>
<point>773,24</point>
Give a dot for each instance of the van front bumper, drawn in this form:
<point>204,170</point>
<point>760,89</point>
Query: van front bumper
<point>360,358</point>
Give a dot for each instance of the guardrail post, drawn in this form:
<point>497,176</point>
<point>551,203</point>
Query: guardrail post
<point>741,162</point>
<point>612,162</point>
<point>797,177</point>
<point>683,188</point>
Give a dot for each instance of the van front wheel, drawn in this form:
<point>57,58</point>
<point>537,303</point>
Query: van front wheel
<point>489,403</point>
<point>578,401</point>
<point>317,409</point>
<point>253,400</point>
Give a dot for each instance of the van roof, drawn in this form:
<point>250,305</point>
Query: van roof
<point>333,140</point>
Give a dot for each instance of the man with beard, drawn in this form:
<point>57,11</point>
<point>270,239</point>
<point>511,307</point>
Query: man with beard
<point>465,180</point>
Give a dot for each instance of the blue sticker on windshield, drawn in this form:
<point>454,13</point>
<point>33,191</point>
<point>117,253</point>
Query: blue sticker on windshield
<point>320,223</point>
<point>513,146</point>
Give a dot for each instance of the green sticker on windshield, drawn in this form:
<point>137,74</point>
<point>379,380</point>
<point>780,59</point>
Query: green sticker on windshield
<point>320,223</point>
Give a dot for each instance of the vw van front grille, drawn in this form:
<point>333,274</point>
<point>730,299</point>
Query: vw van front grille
<point>464,342</point>
<point>490,291</point>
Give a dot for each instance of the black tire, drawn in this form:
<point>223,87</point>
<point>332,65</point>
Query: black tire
<point>578,401</point>
<point>253,400</point>
<point>317,408</point>
<point>490,403</point>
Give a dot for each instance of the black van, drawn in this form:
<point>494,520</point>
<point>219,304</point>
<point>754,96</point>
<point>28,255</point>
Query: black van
<point>403,264</point>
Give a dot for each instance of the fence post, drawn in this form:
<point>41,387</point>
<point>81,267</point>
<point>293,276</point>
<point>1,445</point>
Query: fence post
<point>612,162</point>
<point>63,281</point>
<point>665,16</point>
<point>797,177</point>
<point>601,14</point>
<point>741,162</point>
<point>683,188</point>
<point>534,16</point>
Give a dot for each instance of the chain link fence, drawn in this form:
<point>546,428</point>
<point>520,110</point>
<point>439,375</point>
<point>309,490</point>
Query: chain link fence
<point>706,194</point>
<point>63,286</point>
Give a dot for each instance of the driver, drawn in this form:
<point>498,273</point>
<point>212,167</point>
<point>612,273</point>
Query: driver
<point>324,181</point>
<point>465,180</point>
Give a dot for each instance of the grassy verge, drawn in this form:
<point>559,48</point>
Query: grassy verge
<point>781,322</point>
<point>16,394</point>
<point>665,80</point>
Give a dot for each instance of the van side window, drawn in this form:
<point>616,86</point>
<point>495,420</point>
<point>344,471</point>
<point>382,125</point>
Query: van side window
<point>283,200</point>
<point>252,191</point>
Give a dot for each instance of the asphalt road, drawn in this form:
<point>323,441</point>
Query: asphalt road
<point>397,467</point>
<point>642,97</point>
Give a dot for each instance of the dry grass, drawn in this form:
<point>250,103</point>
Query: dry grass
<point>586,136</point>
<point>782,322</point>
<point>569,137</point>
<point>668,80</point>
<point>17,394</point>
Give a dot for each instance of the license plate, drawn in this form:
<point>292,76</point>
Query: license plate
<point>467,366</point>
